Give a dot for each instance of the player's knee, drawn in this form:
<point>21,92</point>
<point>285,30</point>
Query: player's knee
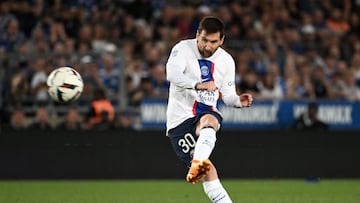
<point>209,121</point>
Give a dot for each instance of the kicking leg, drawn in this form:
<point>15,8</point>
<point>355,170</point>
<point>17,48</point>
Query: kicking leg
<point>200,166</point>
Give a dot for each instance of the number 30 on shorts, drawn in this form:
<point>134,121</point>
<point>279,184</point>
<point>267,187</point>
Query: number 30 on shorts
<point>187,142</point>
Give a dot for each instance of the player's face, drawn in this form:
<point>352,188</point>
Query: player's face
<point>208,43</point>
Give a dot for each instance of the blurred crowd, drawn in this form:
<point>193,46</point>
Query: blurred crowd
<point>283,49</point>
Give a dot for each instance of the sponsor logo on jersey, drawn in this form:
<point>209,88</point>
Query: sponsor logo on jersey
<point>231,83</point>
<point>174,53</point>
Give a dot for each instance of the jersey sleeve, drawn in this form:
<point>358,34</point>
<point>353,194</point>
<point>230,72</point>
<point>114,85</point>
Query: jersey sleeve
<point>175,68</point>
<point>228,90</point>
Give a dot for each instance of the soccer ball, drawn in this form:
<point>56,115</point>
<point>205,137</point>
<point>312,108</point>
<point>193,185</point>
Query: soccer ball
<point>65,84</point>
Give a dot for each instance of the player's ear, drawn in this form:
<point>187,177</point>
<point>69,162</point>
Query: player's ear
<point>222,40</point>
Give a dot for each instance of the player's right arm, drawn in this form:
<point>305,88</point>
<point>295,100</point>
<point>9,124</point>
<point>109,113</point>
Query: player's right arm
<point>175,68</point>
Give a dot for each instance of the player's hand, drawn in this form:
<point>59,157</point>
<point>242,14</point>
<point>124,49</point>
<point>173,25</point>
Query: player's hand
<point>246,99</point>
<point>208,86</point>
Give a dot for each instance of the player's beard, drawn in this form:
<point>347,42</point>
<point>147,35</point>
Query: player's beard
<point>205,53</point>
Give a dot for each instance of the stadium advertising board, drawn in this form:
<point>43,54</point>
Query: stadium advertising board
<point>265,114</point>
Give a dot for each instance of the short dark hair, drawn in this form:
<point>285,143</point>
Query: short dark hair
<point>211,25</point>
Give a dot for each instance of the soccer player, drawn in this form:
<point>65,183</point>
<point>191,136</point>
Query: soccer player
<point>200,73</point>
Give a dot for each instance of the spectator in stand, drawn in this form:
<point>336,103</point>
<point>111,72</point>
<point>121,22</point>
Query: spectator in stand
<point>18,120</point>
<point>356,46</point>
<point>264,25</point>
<point>158,81</point>
<point>135,71</point>
<point>242,61</point>
<point>355,65</point>
<point>290,64</point>
<point>69,45</point>
<point>142,34</point>
<point>12,37</point>
<point>57,32</point>
<point>282,19</point>
<point>72,120</point>
<point>313,57</point>
<point>337,86</point>
<point>37,37</point>
<point>333,52</point>
<point>304,71</point>
<point>270,88</point>
<point>274,56</point>
<point>125,120</point>
<point>38,87</point>
<point>101,113</point>
<point>354,22</point>
<point>307,28</point>
<point>28,13</point>
<point>309,120</point>
<point>5,15</point>
<point>100,44</point>
<point>165,24</point>
<point>84,38</point>
<point>321,84</point>
<point>331,65</point>
<point>351,90</point>
<point>249,84</point>
<point>145,90</point>
<point>41,121</point>
<point>319,21</point>
<point>292,39</point>
<point>277,71</point>
<point>184,23</point>
<point>90,76</point>
<point>128,47</point>
<point>337,22</point>
<point>296,89</point>
<point>342,68</point>
<point>152,55</point>
<point>128,26</point>
<point>109,73</point>
<point>19,85</point>
<point>259,63</point>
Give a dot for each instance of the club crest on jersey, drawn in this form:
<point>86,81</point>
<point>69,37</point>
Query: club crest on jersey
<point>204,70</point>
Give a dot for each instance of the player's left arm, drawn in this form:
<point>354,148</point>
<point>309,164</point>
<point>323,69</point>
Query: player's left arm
<point>228,89</point>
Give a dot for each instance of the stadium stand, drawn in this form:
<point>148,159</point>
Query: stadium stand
<point>284,50</point>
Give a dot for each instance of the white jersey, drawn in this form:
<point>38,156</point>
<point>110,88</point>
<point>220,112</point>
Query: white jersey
<point>185,67</point>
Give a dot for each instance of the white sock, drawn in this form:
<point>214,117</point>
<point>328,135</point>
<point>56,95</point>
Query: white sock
<point>205,144</point>
<point>216,192</point>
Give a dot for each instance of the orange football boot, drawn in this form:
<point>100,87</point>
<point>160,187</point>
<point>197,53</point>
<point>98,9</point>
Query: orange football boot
<point>198,170</point>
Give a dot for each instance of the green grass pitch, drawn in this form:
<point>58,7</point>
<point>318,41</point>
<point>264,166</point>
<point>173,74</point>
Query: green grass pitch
<point>178,191</point>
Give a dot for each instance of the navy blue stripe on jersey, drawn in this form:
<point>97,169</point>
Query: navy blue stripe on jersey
<point>206,70</point>
<point>200,108</point>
